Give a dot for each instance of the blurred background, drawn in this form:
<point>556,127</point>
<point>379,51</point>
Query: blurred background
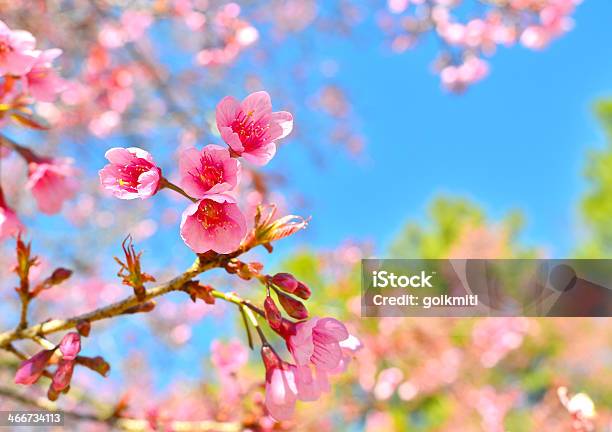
<point>427,129</point>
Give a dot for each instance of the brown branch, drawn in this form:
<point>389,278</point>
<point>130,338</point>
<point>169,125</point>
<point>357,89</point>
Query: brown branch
<point>118,308</point>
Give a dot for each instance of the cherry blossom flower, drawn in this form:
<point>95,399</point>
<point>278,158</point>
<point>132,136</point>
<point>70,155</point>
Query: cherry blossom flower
<point>213,223</point>
<point>9,222</point>
<point>281,389</point>
<point>16,55</point>
<point>250,127</point>
<point>209,171</point>
<point>52,182</point>
<point>42,81</point>
<point>131,174</point>
<point>228,357</point>
<point>317,342</point>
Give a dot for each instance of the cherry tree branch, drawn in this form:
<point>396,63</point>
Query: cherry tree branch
<point>199,266</point>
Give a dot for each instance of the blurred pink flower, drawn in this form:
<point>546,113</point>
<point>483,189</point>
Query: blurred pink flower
<point>213,223</point>
<point>132,173</point>
<point>52,182</point>
<point>42,81</point>
<point>9,222</point>
<point>135,23</point>
<point>228,357</point>
<point>250,127</point>
<point>208,171</point>
<point>16,55</point>
<point>535,37</point>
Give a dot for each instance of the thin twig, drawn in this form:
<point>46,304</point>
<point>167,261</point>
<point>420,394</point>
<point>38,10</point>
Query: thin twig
<point>118,308</point>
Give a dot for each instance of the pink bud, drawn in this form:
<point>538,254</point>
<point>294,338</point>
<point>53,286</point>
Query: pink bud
<point>293,307</point>
<point>302,291</point>
<point>31,369</point>
<point>70,345</point>
<point>63,375</point>
<point>270,358</point>
<point>285,281</point>
<point>59,275</point>
<point>273,315</point>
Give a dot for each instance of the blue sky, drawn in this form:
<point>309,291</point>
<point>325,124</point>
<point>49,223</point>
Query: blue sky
<point>517,140</point>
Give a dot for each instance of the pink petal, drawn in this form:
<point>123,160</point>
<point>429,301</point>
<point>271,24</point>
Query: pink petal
<point>283,119</point>
<point>119,156</point>
<point>262,155</point>
<point>330,330</point>
<point>258,105</point>
<point>227,111</point>
<point>148,182</point>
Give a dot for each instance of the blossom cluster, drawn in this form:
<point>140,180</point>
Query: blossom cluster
<point>532,23</point>
<point>27,75</point>
<point>208,176</point>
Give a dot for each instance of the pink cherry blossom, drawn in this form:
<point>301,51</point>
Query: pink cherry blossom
<point>16,55</point>
<point>213,223</point>
<point>9,222</point>
<point>281,389</point>
<point>228,357</point>
<point>52,182</point>
<point>132,173</point>
<point>535,37</point>
<point>310,385</point>
<point>250,127</point>
<point>31,369</point>
<point>42,81</point>
<point>317,342</point>
<point>209,171</point>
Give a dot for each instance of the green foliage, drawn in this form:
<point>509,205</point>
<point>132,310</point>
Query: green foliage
<point>597,204</point>
<point>447,218</point>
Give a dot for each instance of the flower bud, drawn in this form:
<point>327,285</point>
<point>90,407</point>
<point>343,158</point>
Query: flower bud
<point>302,291</point>
<point>285,281</point>
<point>70,345</point>
<point>292,306</point>
<point>63,375</point>
<point>59,275</point>
<point>31,369</point>
<point>273,315</point>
